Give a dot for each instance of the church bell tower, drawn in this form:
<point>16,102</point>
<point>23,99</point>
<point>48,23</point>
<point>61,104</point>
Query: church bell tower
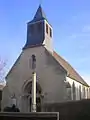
<point>39,31</point>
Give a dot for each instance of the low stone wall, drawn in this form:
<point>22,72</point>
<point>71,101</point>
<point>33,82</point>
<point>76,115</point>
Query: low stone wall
<point>74,110</point>
<point>29,116</point>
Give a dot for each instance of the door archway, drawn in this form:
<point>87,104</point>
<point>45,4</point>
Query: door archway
<point>28,91</point>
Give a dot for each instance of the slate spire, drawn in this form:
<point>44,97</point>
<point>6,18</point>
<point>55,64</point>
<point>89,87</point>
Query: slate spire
<point>36,30</point>
<point>40,15</point>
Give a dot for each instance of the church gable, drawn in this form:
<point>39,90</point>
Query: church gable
<point>23,63</point>
<point>45,66</point>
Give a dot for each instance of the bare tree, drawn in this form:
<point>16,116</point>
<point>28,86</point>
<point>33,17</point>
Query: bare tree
<point>2,66</point>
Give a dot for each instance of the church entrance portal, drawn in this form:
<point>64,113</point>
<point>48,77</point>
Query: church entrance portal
<point>28,94</point>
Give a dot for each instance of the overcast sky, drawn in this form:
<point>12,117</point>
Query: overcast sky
<point>71,23</point>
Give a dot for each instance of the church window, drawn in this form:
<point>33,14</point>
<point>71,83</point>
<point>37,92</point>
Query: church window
<point>80,92</point>
<point>69,93</point>
<point>46,28</point>
<point>87,92</point>
<point>74,91</point>
<point>33,58</point>
<point>50,32</point>
<point>83,92</point>
<point>68,90</point>
<point>33,61</point>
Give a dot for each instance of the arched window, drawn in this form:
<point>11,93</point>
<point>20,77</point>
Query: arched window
<point>83,92</point>
<point>68,90</point>
<point>73,91</point>
<point>47,28</point>
<point>33,61</point>
<point>50,32</point>
<point>80,91</point>
<point>87,93</point>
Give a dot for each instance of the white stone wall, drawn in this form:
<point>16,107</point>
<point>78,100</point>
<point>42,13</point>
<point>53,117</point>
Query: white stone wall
<point>77,85</point>
<point>48,42</point>
<point>50,76</point>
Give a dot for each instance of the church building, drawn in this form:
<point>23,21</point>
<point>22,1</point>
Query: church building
<point>56,80</point>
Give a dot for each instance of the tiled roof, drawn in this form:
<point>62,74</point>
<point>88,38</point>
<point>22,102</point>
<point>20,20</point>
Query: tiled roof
<point>71,71</point>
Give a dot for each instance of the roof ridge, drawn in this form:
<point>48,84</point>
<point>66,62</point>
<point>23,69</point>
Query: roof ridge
<point>72,72</point>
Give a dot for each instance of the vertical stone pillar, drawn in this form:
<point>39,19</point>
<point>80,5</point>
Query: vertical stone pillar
<point>33,109</point>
